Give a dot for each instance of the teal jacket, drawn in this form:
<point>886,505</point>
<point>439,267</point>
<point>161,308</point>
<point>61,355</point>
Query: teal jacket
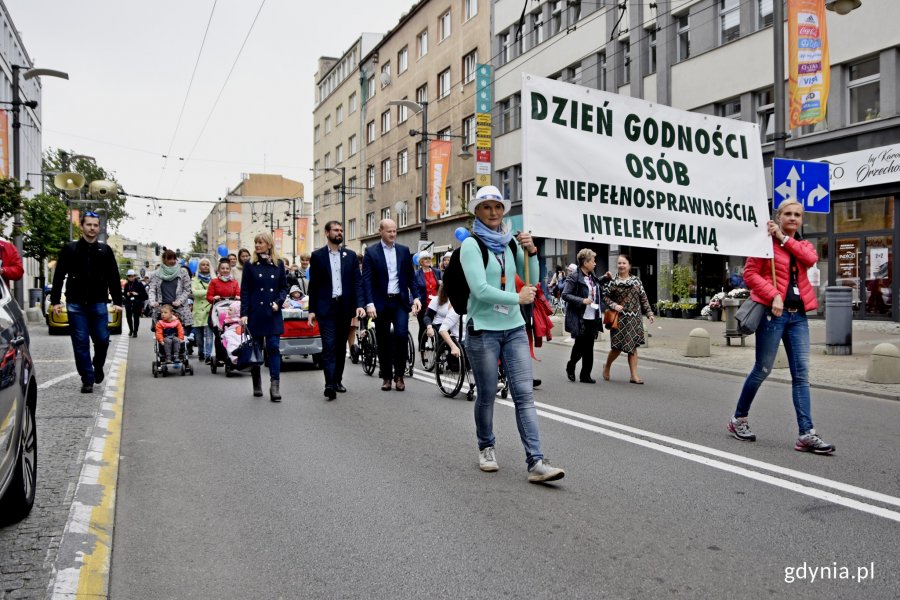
<point>485,290</point>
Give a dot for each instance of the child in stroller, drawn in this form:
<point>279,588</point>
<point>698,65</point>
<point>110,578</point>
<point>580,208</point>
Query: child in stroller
<point>169,344</point>
<point>225,321</point>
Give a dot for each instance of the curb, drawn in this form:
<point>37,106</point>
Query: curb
<point>83,562</point>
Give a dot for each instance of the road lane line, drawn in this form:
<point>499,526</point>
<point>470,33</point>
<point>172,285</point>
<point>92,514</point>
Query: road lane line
<point>830,483</point>
<point>566,416</point>
<point>55,380</point>
<point>83,560</point>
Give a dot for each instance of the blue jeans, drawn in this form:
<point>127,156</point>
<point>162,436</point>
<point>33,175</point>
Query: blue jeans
<point>793,329</point>
<point>88,322</point>
<point>272,346</point>
<point>484,349</point>
<point>203,339</point>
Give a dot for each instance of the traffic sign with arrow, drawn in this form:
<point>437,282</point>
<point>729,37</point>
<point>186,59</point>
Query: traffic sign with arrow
<point>806,182</point>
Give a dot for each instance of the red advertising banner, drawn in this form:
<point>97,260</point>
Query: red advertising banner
<point>439,165</point>
<point>278,235</point>
<point>809,71</point>
<point>4,144</point>
<point>301,225</point>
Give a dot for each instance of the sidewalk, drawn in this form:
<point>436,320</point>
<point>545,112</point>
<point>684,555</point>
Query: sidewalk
<point>667,340</point>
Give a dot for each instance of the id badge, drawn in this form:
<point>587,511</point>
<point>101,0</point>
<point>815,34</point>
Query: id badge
<point>501,308</point>
<point>796,290</point>
<point>595,306</point>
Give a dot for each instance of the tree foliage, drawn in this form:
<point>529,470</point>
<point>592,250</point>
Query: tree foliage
<point>10,199</point>
<point>199,243</point>
<point>58,160</point>
<point>46,228</point>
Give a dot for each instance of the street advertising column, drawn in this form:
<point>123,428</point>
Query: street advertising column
<point>600,167</point>
<point>809,70</point>
<point>483,103</point>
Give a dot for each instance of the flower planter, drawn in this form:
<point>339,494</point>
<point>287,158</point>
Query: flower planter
<point>676,313</point>
<point>688,314</point>
<point>715,314</point>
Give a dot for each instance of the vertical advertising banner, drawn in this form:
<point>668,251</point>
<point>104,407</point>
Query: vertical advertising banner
<point>483,104</point>
<point>808,68</point>
<point>438,166</point>
<point>278,234</point>
<point>4,144</point>
<point>301,225</point>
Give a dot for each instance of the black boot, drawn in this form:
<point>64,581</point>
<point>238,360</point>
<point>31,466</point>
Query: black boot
<point>274,392</point>
<point>257,382</point>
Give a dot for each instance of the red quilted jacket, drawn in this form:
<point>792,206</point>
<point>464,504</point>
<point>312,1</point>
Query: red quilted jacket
<point>758,273</point>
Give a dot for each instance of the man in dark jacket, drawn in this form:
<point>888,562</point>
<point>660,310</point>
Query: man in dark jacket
<point>91,275</point>
<point>135,295</point>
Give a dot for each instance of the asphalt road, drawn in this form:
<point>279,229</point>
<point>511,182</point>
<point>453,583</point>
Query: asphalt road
<point>378,495</point>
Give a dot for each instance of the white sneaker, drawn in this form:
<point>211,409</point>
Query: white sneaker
<point>541,471</point>
<point>487,460</point>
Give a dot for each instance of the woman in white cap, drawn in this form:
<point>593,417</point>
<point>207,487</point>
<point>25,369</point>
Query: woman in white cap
<point>428,280</point>
<point>135,294</point>
<point>496,330</point>
<point>445,260</point>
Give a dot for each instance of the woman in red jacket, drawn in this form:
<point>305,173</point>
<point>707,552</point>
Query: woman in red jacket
<point>224,285</point>
<point>788,300</point>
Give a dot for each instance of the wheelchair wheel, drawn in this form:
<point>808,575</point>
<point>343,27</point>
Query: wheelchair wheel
<point>369,353</point>
<point>155,370</point>
<point>410,354</point>
<point>426,351</point>
<point>449,371</point>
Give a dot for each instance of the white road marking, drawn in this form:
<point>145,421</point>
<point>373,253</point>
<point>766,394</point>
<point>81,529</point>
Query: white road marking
<point>55,380</point>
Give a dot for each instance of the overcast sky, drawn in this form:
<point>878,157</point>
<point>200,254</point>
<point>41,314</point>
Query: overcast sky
<point>130,64</point>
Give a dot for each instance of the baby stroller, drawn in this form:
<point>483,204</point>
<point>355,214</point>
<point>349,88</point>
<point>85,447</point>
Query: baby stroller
<point>220,321</point>
<point>163,367</point>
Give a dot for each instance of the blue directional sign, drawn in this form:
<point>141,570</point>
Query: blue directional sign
<point>807,182</point>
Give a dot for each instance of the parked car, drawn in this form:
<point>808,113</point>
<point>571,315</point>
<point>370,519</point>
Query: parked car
<point>18,402</point>
<point>59,324</point>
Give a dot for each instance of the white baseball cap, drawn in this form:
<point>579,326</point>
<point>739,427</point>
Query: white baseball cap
<point>130,272</point>
<point>491,192</point>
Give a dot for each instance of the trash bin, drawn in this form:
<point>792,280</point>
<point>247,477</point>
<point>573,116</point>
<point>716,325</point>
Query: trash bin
<point>838,320</point>
<point>731,306</point>
<point>35,297</point>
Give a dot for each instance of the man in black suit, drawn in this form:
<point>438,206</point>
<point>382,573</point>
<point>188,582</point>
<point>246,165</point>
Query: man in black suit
<point>334,296</point>
<point>388,284</point>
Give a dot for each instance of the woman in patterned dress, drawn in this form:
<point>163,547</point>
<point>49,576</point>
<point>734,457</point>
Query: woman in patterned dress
<point>625,294</point>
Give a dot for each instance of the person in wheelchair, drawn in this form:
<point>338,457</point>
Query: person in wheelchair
<point>449,331</point>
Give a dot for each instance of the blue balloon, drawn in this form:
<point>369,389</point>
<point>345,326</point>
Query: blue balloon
<point>415,258</point>
<point>461,233</point>
<point>192,265</point>
<point>222,250</point>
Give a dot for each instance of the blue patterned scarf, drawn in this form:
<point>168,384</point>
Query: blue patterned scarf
<point>495,240</point>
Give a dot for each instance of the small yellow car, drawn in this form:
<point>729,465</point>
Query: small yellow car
<point>59,324</point>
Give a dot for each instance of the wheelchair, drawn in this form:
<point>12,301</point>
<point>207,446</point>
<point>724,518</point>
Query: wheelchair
<point>368,349</point>
<point>450,372</point>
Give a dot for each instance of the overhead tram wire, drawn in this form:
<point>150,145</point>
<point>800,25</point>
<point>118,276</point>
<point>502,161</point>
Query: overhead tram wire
<point>186,95</point>
<point>219,96</point>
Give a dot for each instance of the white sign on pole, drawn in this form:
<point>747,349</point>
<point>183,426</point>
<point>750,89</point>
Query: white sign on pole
<point>601,167</point>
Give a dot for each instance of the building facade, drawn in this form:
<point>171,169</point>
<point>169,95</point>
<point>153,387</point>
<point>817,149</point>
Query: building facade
<point>716,57</point>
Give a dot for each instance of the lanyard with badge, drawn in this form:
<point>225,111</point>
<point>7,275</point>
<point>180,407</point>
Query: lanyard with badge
<point>501,259</point>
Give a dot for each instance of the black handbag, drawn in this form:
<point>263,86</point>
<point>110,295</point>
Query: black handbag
<point>749,315</point>
<point>248,353</point>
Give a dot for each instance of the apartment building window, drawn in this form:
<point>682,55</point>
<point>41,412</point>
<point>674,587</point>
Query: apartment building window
<point>339,154</point>
<point>351,229</point>
<point>353,102</point>
<point>574,11</point>
<point>385,213</point>
<point>504,183</point>
<point>556,11</point>
<point>730,109</point>
<point>354,144</point>
<point>444,26</point>
<point>468,192</point>
<point>470,8</point>
<point>403,215</point>
<point>370,87</point>
<point>764,13</point>
<point>510,113</point>
<point>419,154</point>
<point>444,134</point>
<point>370,177</point>
<point>651,52</point>
<point>370,223</point>
<point>351,185</point>
<point>505,48</point>
<point>601,83</point>
<point>422,43</point>
<point>864,89</point>
<point>370,132</point>
<point>327,160</point>
<point>385,122</point>
<point>327,124</point>
<point>317,204</point>
<point>402,113</point>
<point>422,94</point>
<point>443,82</point>
<point>402,60</point>
<point>625,50</point>
<point>469,64</point>
<point>339,114</point>
<point>765,114</point>
<point>385,75</point>
<point>317,135</point>
<point>537,28</point>
<point>468,130</point>
<point>572,74</point>
<point>385,170</point>
<point>448,200</point>
<point>683,37</point>
<point>729,20</point>
<point>316,167</point>
<point>403,162</point>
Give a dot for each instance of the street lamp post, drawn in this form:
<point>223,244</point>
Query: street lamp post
<point>343,172</point>
<point>17,172</point>
<point>422,108</point>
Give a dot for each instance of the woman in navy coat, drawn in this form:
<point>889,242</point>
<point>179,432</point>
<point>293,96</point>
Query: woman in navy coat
<point>263,290</point>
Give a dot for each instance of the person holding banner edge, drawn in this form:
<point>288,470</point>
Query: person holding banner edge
<point>783,286</point>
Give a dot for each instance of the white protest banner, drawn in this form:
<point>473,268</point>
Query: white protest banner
<point>600,167</point>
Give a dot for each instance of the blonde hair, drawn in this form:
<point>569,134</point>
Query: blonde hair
<point>785,204</point>
<point>584,255</point>
<point>204,260</point>
<point>268,239</point>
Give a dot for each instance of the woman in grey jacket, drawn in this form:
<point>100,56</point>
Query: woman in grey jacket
<point>584,316</point>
